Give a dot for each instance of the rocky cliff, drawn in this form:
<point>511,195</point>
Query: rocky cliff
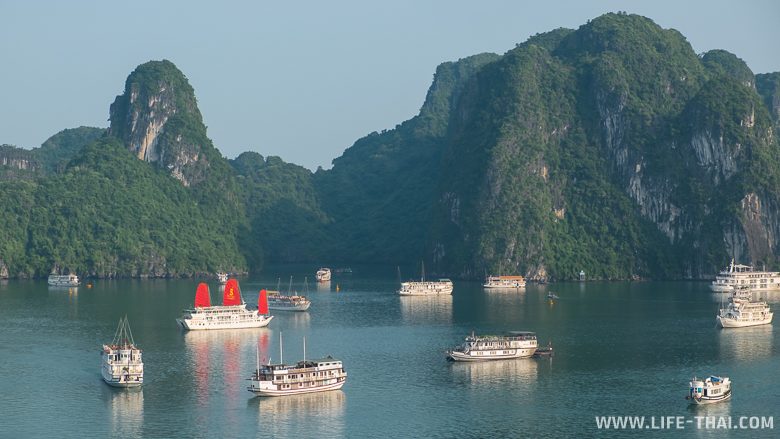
<point>158,119</point>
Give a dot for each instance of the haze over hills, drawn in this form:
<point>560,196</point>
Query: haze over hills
<point>612,148</point>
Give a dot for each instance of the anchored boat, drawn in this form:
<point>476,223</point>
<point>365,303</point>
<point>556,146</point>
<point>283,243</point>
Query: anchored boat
<point>122,363</point>
<point>426,288</point>
<point>305,376</point>
<point>233,314</point>
<point>745,275</point>
<point>504,282</point>
<point>67,280</point>
<point>709,390</point>
<point>514,344</point>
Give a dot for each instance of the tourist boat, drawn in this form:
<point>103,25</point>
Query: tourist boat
<point>425,288</point>
<point>233,314</point>
<point>222,277</point>
<point>515,344</point>
<point>280,302</point>
<point>546,351</point>
<point>741,312</point>
<point>552,296</point>
<point>745,275</point>
<point>710,390</point>
<point>323,275</point>
<point>504,282</point>
<point>305,376</point>
<point>122,363</point>
<point>67,280</point>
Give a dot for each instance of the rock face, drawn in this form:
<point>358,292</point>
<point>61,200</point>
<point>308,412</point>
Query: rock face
<point>612,149</point>
<point>158,119</point>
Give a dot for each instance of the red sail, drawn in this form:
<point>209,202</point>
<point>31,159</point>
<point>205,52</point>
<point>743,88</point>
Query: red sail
<point>202,296</point>
<point>232,295</point>
<point>262,303</point>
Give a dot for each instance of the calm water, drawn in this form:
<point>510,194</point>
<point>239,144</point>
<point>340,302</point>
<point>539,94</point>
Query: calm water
<point>621,349</point>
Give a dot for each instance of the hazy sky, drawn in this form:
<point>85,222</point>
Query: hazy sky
<point>301,80</point>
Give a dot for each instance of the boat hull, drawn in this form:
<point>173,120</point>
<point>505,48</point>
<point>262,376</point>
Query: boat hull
<point>123,384</point>
<point>303,307</point>
<point>709,399</point>
<point>515,353</point>
<point>272,393</point>
<point>732,323</point>
<point>185,324</point>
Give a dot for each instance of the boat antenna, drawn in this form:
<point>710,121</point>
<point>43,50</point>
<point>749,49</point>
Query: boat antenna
<point>281,359</point>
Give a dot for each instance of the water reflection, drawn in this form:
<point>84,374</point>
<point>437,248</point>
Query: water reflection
<point>126,408</point>
<point>306,415</point>
<point>749,343</point>
<point>426,309</point>
<point>292,319</point>
<point>496,373</point>
<point>216,358</point>
<point>323,287</point>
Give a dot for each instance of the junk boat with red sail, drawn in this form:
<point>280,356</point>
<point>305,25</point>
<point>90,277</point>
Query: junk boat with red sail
<point>305,376</point>
<point>232,314</point>
<point>122,362</point>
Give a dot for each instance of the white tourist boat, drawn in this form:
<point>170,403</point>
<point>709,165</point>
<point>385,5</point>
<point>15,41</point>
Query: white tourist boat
<point>232,314</point>
<point>278,301</point>
<point>515,344</point>
<point>742,312</point>
<point>504,282</point>
<point>305,376</point>
<point>426,288</point>
<point>709,390</point>
<point>323,275</point>
<point>744,275</point>
<point>122,362</point>
<point>66,280</point>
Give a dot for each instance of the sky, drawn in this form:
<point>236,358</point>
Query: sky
<point>302,80</point>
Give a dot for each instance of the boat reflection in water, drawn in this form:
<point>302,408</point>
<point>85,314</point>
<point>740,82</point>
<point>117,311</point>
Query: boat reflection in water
<point>127,411</point>
<point>294,320</point>
<point>751,343</point>
<point>487,375</point>
<point>304,415</point>
<point>426,309</point>
<point>216,358</point>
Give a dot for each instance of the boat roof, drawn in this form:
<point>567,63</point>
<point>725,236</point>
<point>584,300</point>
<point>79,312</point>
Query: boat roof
<point>521,333</point>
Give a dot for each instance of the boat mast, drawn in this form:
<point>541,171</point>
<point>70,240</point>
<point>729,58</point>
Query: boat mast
<point>281,359</point>
<point>304,349</point>
<point>422,264</point>
<point>289,288</point>
<point>257,350</point>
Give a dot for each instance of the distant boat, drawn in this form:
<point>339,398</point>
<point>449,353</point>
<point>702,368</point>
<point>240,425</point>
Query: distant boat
<point>278,301</point>
<point>515,344</point>
<point>709,390</point>
<point>233,313</point>
<point>122,363</point>
<point>504,282</point>
<point>745,276</point>
<point>552,296</point>
<point>305,376</point>
<point>426,288</point>
<point>67,280</point>
<point>323,275</point>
